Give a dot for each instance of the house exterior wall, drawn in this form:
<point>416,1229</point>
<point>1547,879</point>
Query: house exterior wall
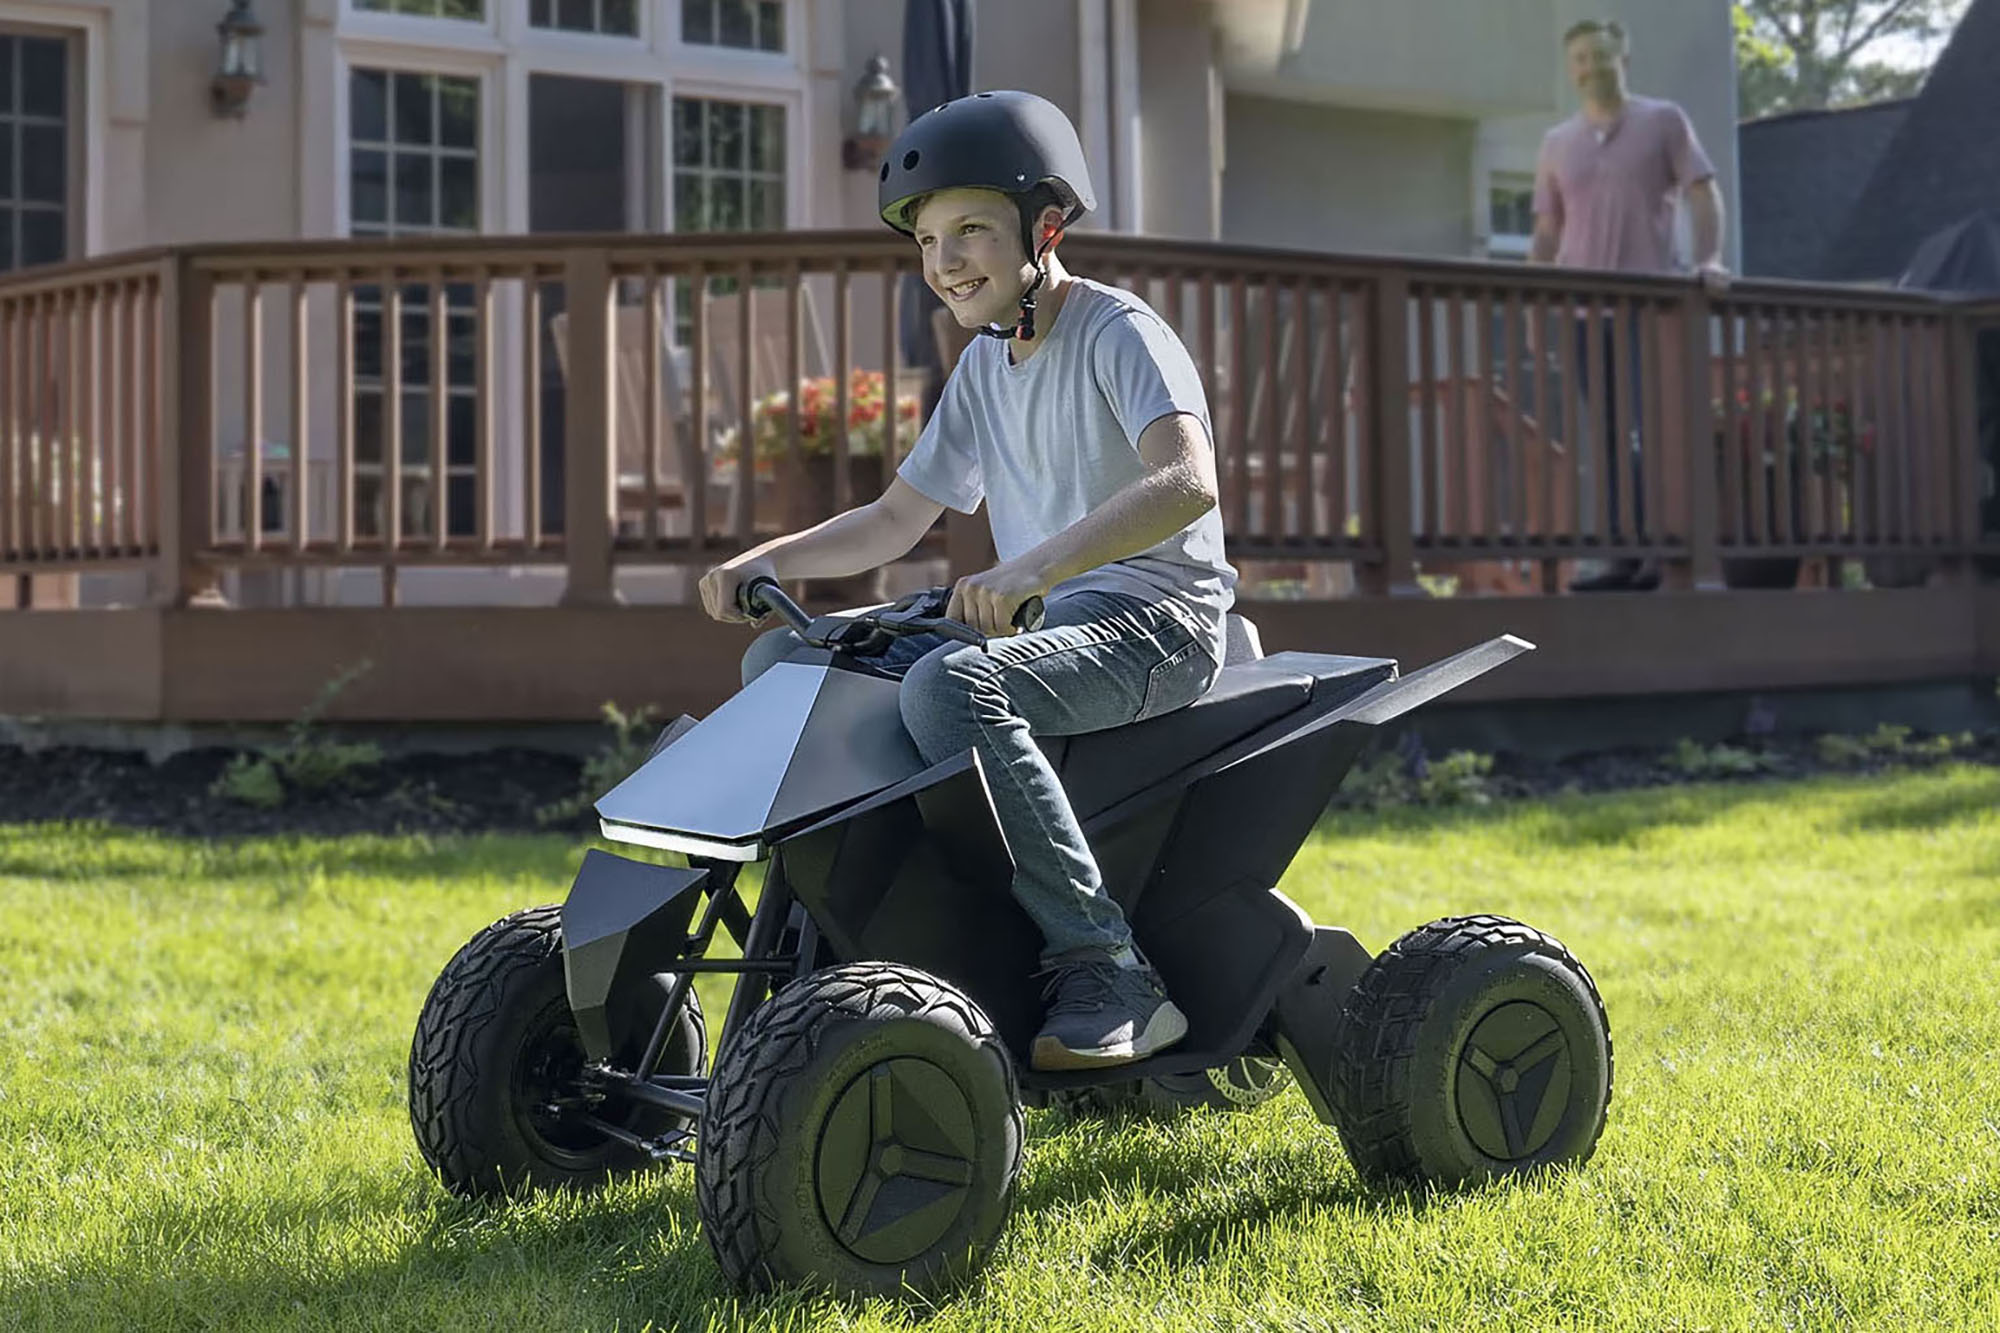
<point>1334,178</point>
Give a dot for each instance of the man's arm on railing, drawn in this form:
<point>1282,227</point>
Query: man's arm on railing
<point>1705,217</point>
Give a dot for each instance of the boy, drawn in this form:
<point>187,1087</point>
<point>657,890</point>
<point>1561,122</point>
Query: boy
<point>1081,422</point>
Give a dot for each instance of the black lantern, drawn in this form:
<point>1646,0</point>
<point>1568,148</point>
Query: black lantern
<point>240,67</point>
<point>874,117</point>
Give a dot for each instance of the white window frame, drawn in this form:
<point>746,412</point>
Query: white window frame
<point>1504,245</point>
<point>85,25</point>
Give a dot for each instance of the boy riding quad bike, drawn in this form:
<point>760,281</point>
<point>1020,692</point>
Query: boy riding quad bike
<point>1002,824</point>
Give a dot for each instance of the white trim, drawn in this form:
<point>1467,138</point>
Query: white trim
<point>72,21</point>
<point>1092,55</point>
<point>1125,119</point>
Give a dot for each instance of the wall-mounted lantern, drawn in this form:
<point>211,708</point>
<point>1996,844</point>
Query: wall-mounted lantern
<point>874,117</point>
<point>240,66</point>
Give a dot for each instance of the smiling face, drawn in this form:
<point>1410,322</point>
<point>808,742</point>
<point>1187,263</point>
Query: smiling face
<point>1597,65</point>
<point>971,244</point>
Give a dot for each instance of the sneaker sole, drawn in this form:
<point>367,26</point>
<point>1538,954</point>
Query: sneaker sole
<point>1167,1026</point>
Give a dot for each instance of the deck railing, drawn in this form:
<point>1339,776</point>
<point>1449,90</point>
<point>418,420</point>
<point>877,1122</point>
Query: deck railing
<point>593,402</point>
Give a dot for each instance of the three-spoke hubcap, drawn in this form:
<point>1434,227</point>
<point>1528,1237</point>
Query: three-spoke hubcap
<point>1513,1081</point>
<point>895,1160</point>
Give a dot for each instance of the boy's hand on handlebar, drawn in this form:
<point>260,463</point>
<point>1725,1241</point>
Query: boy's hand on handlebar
<point>987,602</point>
<point>719,585</point>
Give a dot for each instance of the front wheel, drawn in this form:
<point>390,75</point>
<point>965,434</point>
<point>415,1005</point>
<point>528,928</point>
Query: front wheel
<point>494,1069</point>
<point>862,1134</point>
<point>1475,1047</point>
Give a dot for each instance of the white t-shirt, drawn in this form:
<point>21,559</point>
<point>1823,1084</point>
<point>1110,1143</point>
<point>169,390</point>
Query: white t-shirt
<point>1049,440</point>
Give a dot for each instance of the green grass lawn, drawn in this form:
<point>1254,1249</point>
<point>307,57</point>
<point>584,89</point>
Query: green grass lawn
<point>202,1107</point>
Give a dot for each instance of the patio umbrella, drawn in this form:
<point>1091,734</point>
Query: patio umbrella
<point>937,67</point>
<point>1963,258</point>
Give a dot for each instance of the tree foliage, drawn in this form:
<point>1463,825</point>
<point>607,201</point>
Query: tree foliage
<point>1795,55</point>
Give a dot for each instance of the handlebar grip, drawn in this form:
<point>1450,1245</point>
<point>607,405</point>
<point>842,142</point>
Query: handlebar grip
<point>749,599</point>
<point>1028,616</point>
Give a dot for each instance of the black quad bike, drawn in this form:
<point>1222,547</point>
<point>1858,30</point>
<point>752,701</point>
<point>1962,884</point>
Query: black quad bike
<point>861,1129</point>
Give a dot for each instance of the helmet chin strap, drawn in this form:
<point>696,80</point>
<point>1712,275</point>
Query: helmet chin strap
<point>1024,328</point>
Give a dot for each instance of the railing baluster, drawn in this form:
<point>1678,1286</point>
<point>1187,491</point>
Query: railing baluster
<point>391,500</point>
<point>1458,468</point>
<point>343,413</point>
<point>1239,407</point>
<point>1622,383</point>
<point>253,413</point>
<point>744,518</point>
<point>1431,508</point>
<point>1483,503</point>
<point>439,403</point>
<point>130,379</point>
<point>1661,454</point>
<point>1333,407</point>
<point>1852,531</point>
<point>531,407</point>
<point>697,281</point>
<point>301,371</point>
<point>1571,338</point>
<point>1729,456</point>
<point>1272,421</point>
<point>843,360</point>
<point>1299,519</point>
<point>485,446</point>
<point>1513,504</point>
<point>10,429</point>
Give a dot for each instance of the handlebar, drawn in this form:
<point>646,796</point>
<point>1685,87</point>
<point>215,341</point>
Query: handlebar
<point>869,632</point>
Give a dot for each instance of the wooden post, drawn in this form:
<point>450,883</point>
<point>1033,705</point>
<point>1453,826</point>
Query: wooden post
<point>1965,478</point>
<point>588,492</point>
<point>1702,569</point>
<point>1389,431</point>
<point>186,437</point>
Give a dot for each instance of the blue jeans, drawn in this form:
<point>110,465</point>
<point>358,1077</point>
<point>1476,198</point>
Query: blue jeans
<point>1100,660</point>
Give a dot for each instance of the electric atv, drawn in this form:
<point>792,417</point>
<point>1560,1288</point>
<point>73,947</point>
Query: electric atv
<point>861,1128</point>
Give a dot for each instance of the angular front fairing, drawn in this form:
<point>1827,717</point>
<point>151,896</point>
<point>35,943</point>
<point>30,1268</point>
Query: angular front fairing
<point>802,739</point>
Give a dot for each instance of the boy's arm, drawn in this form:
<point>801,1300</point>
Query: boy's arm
<point>1178,488</point>
<point>855,542</point>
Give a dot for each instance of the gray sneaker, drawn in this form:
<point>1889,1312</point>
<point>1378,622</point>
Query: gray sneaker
<point>1102,1014</point>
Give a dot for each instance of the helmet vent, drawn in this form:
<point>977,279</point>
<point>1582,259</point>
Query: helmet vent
<point>885,171</point>
<point>910,160</point>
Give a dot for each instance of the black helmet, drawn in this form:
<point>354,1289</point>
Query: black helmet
<point>1006,141</point>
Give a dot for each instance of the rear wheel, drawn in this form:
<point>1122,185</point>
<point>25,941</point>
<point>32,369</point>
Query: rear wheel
<point>495,1064</point>
<point>1473,1048</point>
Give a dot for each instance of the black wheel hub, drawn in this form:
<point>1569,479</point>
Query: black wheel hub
<point>895,1162</point>
<point>1513,1081</point>
<point>547,1085</point>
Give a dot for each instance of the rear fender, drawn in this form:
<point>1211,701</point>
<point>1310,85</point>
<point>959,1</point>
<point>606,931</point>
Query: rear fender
<point>1307,1013</point>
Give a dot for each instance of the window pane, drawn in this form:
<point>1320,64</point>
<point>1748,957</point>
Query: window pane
<point>767,205</point>
<point>690,203</point>
<point>6,161</point>
<point>368,105</point>
<point>44,153</point>
<point>413,109</point>
<point>7,58</point>
<point>42,239</point>
<point>621,17</point>
<point>687,132</point>
<point>368,186</point>
<point>368,505</point>
<point>698,21</point>
<point>726,204</point>
<point>367,342</point>
<point>725,135</point>
<point>42,76</point>
<point>767,139</point>
<point>474,10</point>
<point>6,239</point>
<point>538,13</point>
<point>368,425</point>
<point>458,113</point>
<point>416,435</point>
<point>735,21</point>
<point>413,191</point>
<point>461,430</point>
<point>771,26</point>
<point>576,15</point>
<point>416,338</point>
<point>460,518</point>
<point>458,181</point>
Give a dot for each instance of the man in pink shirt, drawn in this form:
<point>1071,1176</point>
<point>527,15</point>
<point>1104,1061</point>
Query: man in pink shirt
<point>1604,199</point>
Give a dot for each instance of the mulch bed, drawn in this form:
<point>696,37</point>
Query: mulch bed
<point>507,789</point>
